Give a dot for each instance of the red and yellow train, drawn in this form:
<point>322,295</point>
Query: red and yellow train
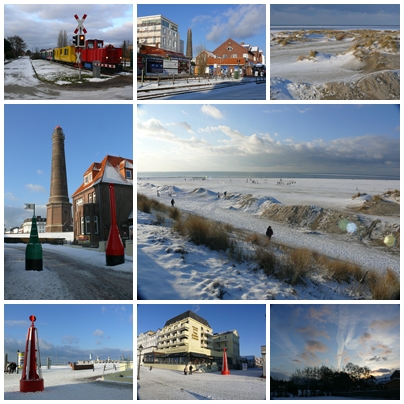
<point>109,57</point>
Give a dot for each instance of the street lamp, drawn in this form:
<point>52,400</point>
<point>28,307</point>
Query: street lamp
<point>140,348</point>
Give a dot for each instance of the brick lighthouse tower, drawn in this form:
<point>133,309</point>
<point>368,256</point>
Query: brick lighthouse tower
<point>59,209</point>
<point>189,43</point>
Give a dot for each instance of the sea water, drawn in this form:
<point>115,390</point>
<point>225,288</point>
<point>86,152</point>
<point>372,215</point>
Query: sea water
<point>276,28</point>
<point>243,174</point>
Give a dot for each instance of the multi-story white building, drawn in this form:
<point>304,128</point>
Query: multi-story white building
<point>148,343</point>
<point>40,224</point>
<point>159,31</point>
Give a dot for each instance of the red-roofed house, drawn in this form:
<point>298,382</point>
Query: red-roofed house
<point>91,205</point>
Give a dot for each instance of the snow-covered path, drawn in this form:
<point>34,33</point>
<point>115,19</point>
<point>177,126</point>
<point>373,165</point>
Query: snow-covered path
<point>207,204</point>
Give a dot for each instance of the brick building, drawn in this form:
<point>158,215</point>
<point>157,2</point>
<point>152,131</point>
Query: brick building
<point>230,56</point>
<point>91,202</point>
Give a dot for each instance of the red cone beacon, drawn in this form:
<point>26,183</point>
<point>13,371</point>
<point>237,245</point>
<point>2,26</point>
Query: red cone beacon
<point>114,250</point>
<point>31,379</point>
<point>225,370</point>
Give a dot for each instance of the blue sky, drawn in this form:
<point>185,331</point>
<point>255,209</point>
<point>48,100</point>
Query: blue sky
<point>335,14</point>
<point>248,319</point>
<point>345,139</point>
<point>91,132</point>
<point>71,331</point>
<point>212,24</point>
<point>334,335</point>
<point>39,24</point>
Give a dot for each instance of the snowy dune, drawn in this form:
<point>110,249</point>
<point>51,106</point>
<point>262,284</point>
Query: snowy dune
<point>314,64</point>
<point>62,383</point>
<point>199,273</point>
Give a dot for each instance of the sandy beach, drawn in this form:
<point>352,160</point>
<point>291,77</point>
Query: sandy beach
<point>334,64</point>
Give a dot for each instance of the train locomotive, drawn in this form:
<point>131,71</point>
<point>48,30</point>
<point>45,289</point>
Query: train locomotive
<point>110,58</point>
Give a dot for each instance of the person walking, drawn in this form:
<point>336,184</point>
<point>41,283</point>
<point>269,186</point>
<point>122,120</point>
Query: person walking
<point>269,233</point>
<point>186,370</point>
<point>172,202</point>
<point>190,370</point>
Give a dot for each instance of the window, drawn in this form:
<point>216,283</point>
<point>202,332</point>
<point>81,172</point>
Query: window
<point>82,224</point>
<point>94,195</point>
<point>79,202</point>
<point>234,55</point>
<point>88,231</point>
<point>95,224</point>
<point>229,48</point>
<point>128,174</point>
<point>90,198</point>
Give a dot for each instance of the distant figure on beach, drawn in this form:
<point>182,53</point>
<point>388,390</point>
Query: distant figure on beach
<point>190,370</point>
<point>225,193</point>
<point>172,202</point>
<point>218,195</point>
<point>186,370</point>
<point>158,193</point>
<point>269,232</point>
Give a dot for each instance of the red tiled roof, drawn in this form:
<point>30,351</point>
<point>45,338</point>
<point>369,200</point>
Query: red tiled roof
<point>98,170</point>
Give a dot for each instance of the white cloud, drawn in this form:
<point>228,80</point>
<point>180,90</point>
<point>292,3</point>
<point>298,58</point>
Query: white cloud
<point>98,333</point>
<point>35,188</point>
<point>212,111</point>
<point>10,196</point>
<point>240,23</point>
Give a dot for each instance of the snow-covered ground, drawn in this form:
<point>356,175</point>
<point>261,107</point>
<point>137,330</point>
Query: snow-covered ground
<point>20,284</point>
<point>62,383</point>
<point>240,89</point>
<point>297,75</point>
<point>170,267</point>
<point>22,81</point>
<point>161,384</point>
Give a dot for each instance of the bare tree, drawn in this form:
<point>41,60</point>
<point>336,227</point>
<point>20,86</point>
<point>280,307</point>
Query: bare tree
<point>62,39</point>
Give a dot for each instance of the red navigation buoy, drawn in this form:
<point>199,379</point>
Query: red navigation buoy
<point>31,379</point>
<point>225,370</point>
<point>114,250</point>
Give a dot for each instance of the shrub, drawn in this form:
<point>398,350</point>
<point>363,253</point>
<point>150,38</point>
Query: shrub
<point>175,213</point>
<point>205,232</point>
<point>385,286</point>
<point>299,264</point>
<point>313,54</point>
<point>340,36</point>
<point>254,239</point>
<point>266,260</point>
<point>344,271</point>
<point>301,57</point>
<point>145,204</point>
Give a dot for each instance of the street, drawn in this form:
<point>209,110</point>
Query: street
<point>161,384</point>
<point>66,275</point>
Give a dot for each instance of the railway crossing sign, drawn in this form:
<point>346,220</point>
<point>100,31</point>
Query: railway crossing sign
<point>80,25</point>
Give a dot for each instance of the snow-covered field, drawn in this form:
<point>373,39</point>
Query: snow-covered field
<point>22,81</point>
<point>170,267</point>
<point>304,63</point>
<point>160,384</point>
<point>62,383</point>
